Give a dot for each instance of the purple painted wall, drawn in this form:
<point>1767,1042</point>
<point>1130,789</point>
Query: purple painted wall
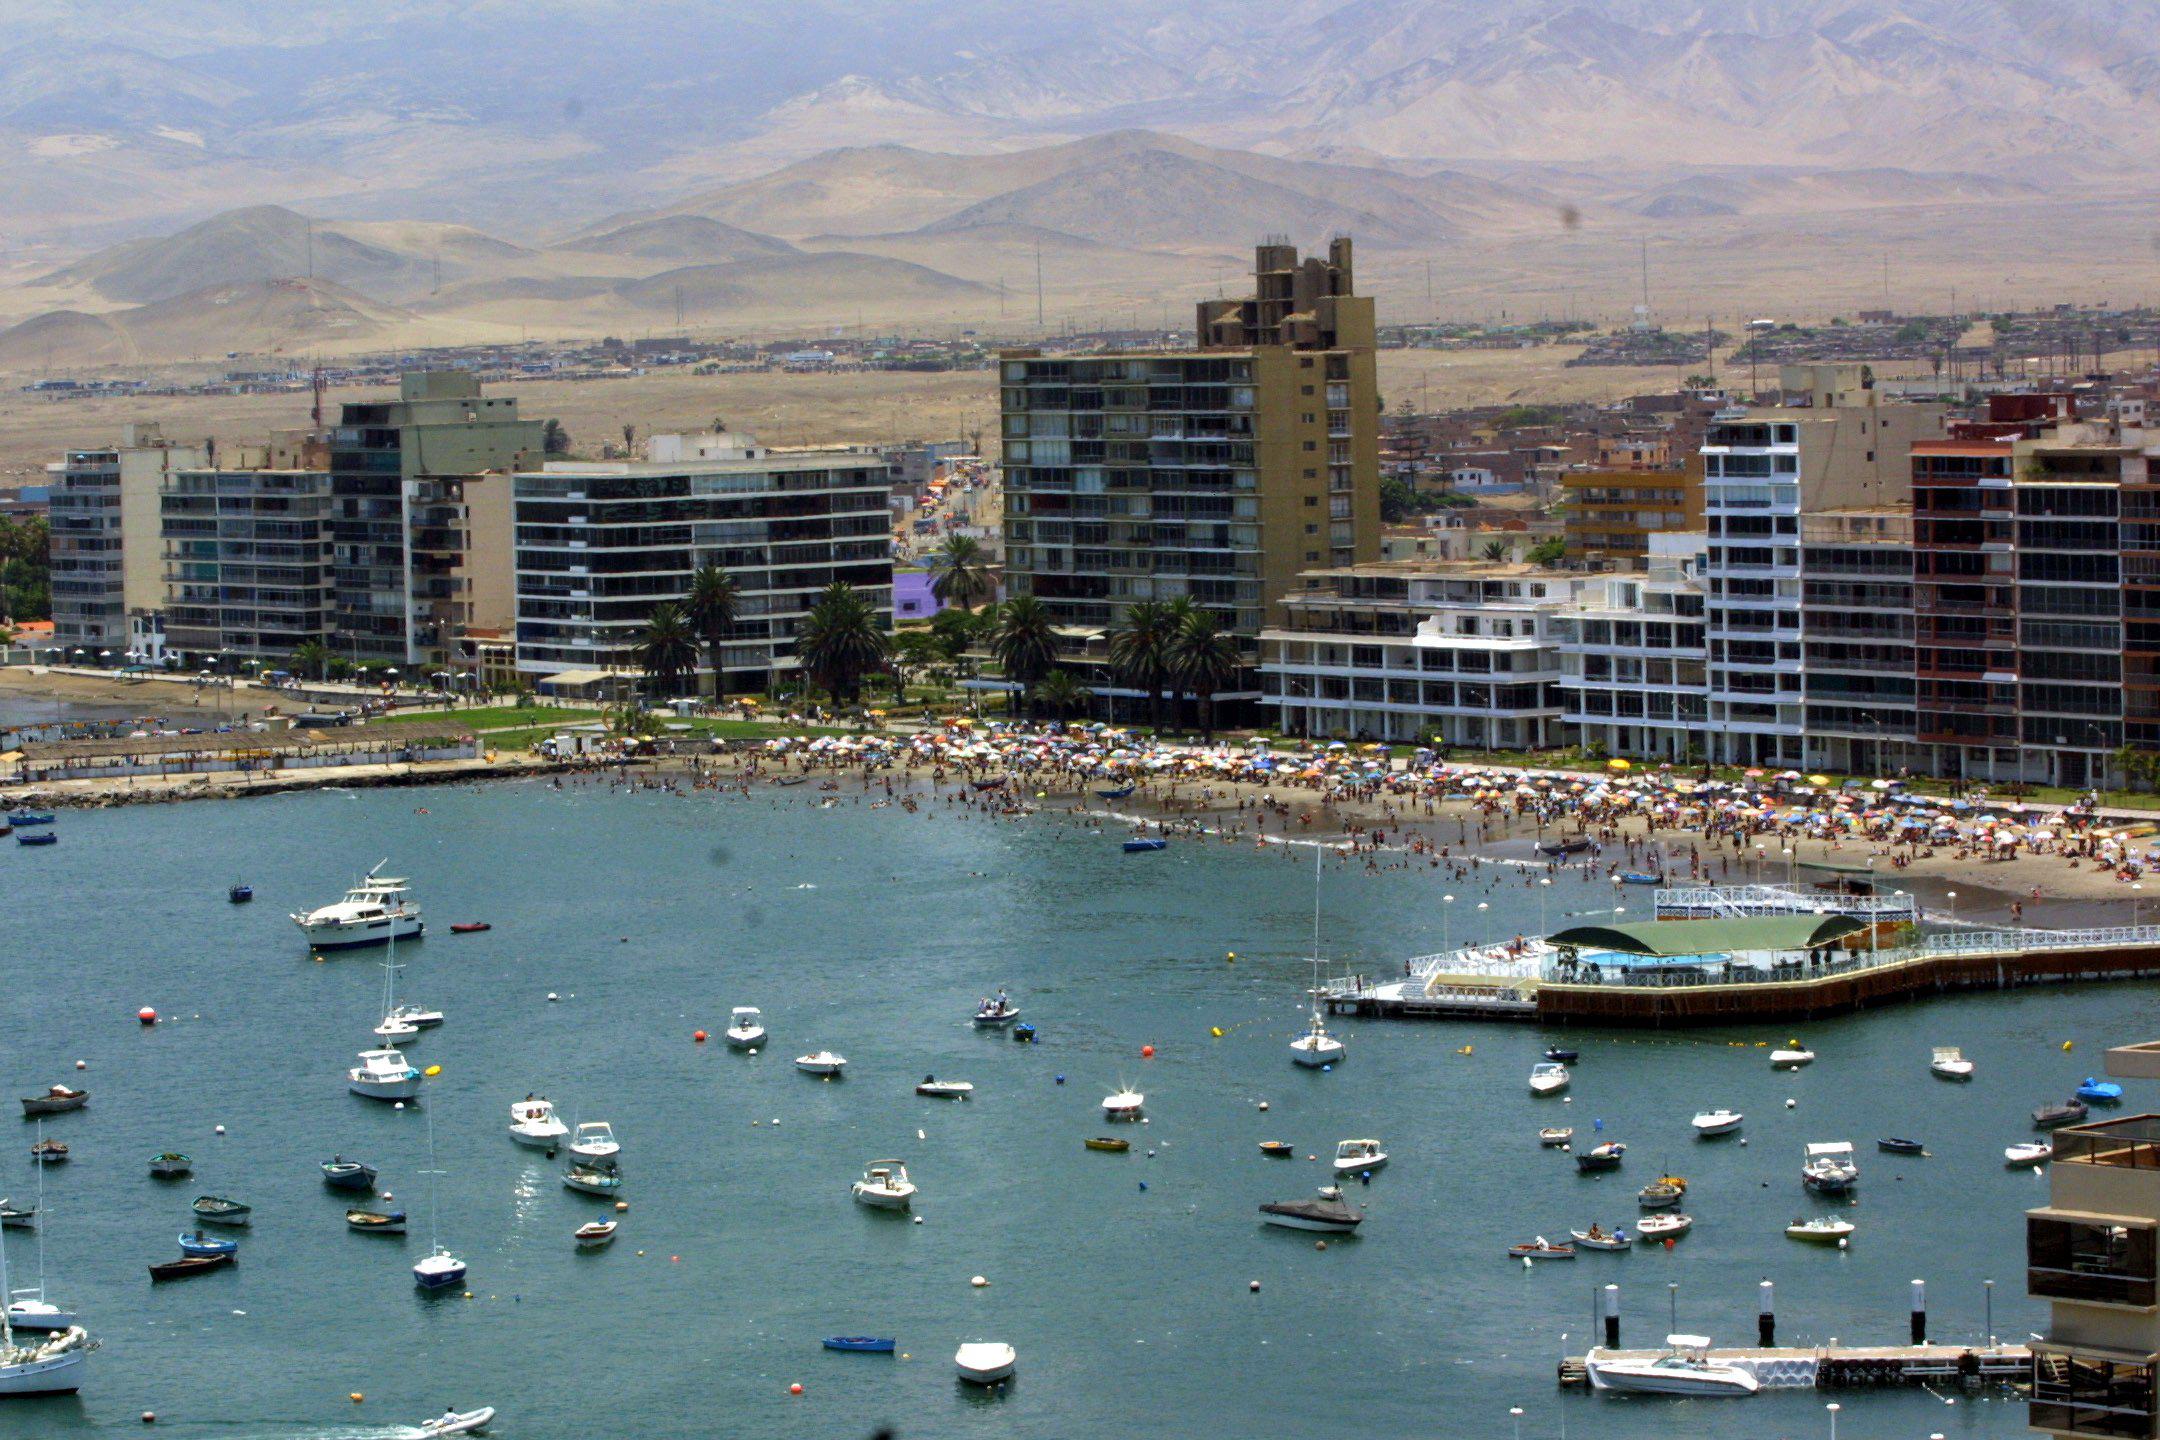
<point>911,597</point>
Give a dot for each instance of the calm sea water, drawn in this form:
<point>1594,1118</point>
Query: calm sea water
<point>1122,1280</point>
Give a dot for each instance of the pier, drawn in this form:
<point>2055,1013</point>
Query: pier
<point>1846,1367</point>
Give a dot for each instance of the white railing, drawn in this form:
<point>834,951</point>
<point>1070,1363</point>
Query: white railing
<point>1718,900</point>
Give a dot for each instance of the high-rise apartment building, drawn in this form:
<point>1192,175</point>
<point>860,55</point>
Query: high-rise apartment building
<point>1633,657</point>
<point>1857,653</point>
<point>1215,474</point>
<point>106,559</point>
<point>600,544</point>
<point>247,562</point>
<point>420,516</point>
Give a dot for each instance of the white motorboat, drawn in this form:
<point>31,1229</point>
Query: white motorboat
<point>457,1422</point>
<point>937,1089</point>
<point>1597,1237</point>
<point>1123,1104</point>
<point>1829,1168</point>
<point>2031,1153</point>
<point>1316,1048</point>
<point>1359,1157</point>
<point>746,1027</point>
<point>822,1062</point>
<point>594,1143</point>
<point>884,1186</point>
<point>1822,1230</point>
<point>395,1028</point>
<point>1950,1064</point>
<point>1791,1059</point>
<point>985,1362</point>
<point>535,1125</point>
<point>1716,1122</point>
<point>383,1075</point>
<point>376,911</point>
<point>996,1010</point>
<point>1685,1369</point>
<point>417,1016</point>
<point>1549,1077</point>
<point>1331,1213</point>
<point>1663,1225</point>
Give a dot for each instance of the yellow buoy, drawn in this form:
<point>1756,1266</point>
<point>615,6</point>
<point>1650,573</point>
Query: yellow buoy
<point>1216,1031</point>
<point>357,1397</point>
<point>2066,1044</point>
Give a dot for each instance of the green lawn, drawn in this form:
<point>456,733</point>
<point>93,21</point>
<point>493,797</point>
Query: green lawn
<point>496,717</point>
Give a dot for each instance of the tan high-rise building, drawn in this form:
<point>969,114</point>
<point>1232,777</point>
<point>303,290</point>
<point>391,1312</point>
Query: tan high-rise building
<point>1215,474</point>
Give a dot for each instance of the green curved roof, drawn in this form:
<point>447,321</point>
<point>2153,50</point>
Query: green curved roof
<point>1713,937</point>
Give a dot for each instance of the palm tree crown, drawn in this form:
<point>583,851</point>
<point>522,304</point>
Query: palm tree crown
<point>711,606</point>
<point>1024,643</point>
<point>1205,658</point>
<point>960,573</point>
<point>668,650</point>
<point>841,641</point>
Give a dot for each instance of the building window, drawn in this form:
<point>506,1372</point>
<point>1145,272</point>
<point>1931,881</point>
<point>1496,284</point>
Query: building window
<point>2089,1260</point>
<point>2075,1394</point>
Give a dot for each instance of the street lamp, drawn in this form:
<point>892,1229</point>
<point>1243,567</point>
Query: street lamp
<point>1952,894</point>
<point>1833,1407</point>
<point>1447,903</point>
<point>1516,1412</point>
<point>1987,1288</point>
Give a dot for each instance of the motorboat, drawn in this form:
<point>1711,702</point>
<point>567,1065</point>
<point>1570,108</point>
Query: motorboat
<point>189,1266</point>
<point>594,1143</point>
<point>239,894</point>
<point>1894,1145</point>
<point>746,1027</point>
<point>15,1218</point>
<point>438,1270</point>
<point>35,1315</point>
<point>196,1243</point>
<point>1107,1142</point>
<point>997,1010</point>
<point>1709,1123</point>
<point>535,1125</point>
<point>1663,1225</point>
<point>55,1100</point>
<point>394,1031</point>
<point>1146,844</point>
<point>1822,1230</point>
<point>2050,1117</point>
<point>376,911</point>
<point>1541,1249</point>
<point>1601,1157</point>
<point>1123,1105</point>
<point>1791,1059</point>
<point>2096,1091</point>
<point>1549,1077</point>
<point>1662,1193</point>
<point>456,1422</point>
<point>937,1089</point>
<point>1829,1168</point>
<point>821,1062</point>
<point>376,1222</point>
<point>1552,1137</point>
<point>1949,1063</point>
<point>218,1210</point>
<point>31,1309</point>
<point>2028,1154</point>
<point>884,1186</point>
<point>383,1075</point>
<point>593,1180</point>
<point>342,1174</point>
<point>1273,1149</point>
<point>595,1233</point>
<point>1359,1157</point>
<point>862,1344</point>
<point>1597,1237</point>
<point>1562,1057</point>
<point>51,1365</point>
<point>49,1152</point>
<point>417,1016</point>
<point>1685,1369</point>
<point>171,1165</point>
<point>985,1362</point>
<point>1328,1212</point>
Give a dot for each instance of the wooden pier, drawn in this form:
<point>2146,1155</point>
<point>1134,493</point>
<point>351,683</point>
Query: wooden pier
<point>1847,1367</point>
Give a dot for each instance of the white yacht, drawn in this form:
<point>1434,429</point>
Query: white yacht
<point>884,1186</point>
<point>746,1027</point>
<point>1830,1169</point>
<point>1316,1048</point>
<point>535,1125</point>
<point>374,912</point>
<point>417,1016</point>
<point>1124,1104</point>
<point>1716,1122</point>
<point>1359,1157</point>
<point>1549,1077</point>
<point>821,1062</point>
<point>395,1028</point>
<point>383,1075</point>
<point>1949,1063</point>
<point>594,1143</point>
<point>439,1269</point>
<point>1685,1369</point>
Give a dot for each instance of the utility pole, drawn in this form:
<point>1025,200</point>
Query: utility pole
<point>1038,286</point>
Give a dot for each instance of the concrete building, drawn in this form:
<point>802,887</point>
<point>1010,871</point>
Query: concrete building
<point>1857,649</point>
<point>247,562</point>
<point>1610,514</point>
<point>599,544</point>
<point>1634,659</point>
<point>1216,474</point>
<point>106,559</point>
<point>1395,651</point>
<point>420,518</point>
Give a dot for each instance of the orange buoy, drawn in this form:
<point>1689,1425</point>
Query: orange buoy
<point>147,1015</point>
<point>795,1389</point>
<point>699,1037</point>
<point>1147,1052</point>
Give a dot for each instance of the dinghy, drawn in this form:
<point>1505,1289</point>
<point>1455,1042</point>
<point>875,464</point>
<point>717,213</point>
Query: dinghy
<point>376,1222</point>
<point>861,1344</point>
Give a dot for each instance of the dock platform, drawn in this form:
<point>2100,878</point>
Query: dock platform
<point>1846,1367</point>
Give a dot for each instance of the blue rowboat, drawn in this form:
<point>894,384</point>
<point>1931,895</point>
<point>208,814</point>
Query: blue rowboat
<point>200,1245</point>
<point>861,1344</point>
<point>1636,877</point>
<point>36,837</point>
<point>342,1174</point>
<point>30,817</point>
<point>240,894</point>
<point>1118,794</point>
<point>1134,847</point>
<point>2099,1092</point>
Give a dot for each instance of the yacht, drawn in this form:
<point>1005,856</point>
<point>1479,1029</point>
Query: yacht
<point>1949,1063</point>
<point>1316,1048</point>
<point>1716,1122</point>
<point>1125,1104</point>
<point>1330,1213</point>
<point>49,1364</point>
<point>1359,1157</point>
<point>1684,1369</point>
<point>383,1075</point>
<point>594,1143</point>
<point>1549,1077</point>
<point>1830,1169</point>
<point>374,912</point>
<point>535,1125</point>
<point>395,1029</point>
<point>746,1027</point>
<point>884,1186</point>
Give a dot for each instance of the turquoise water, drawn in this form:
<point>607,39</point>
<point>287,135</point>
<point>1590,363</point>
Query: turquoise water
<point>1122,1280</point>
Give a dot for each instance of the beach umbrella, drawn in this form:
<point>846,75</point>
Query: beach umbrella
<point>1818,779</point>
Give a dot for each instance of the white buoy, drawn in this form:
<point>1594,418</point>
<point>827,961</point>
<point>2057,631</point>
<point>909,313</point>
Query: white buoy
<point>398,1105</point>
<point>553,996</point>
<point>82,1064</point>
<point>920,1136</point>
<point>1263,1104</point>
<point>977,1281</point>
<point>221,1129</point>
<point>1791,1103</point>
<point>918,1219</point>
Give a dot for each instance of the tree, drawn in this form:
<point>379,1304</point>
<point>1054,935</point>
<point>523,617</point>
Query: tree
<point>1024,642</point>
<point>1061,693</point>
<point>1205,658</point>
<point>554,440</point>
<point>668,650</point>
<point>914,651</point>
<point>958,631</point>
<point>1140,652</point>
<point>710,606</point>
<point>1398,502</point>
<point>1549,551</point>
<point>311,658</point>
<point>960,573</point>
<point>841,641</point>
<point>1495,550</point>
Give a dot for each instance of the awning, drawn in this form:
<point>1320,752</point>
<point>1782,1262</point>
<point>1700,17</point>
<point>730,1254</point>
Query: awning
<point>1708,937</point>
<point>582,678</point>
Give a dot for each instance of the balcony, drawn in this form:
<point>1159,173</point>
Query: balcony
<point>2131,1142</point>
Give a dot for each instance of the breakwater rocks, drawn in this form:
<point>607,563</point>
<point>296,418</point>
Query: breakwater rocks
<point>229,785</point>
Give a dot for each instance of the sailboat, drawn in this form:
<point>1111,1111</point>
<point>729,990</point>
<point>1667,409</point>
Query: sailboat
<point>439,1269</point>
<point>395,1029</point>
<point>1316,1048</point>
<point>29,1310</point>
<point>51,1364</point>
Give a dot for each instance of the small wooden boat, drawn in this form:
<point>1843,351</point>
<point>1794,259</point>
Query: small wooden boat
<point>593,1234</point>
<point>2050,1117</point>
<point>197,1243</point>
<point>593,1181</point>
<point>1120,793</point>
<point>860,1344</point>
<point>1599,1238</point>
<point>376,1222</point>
<point>49,1152</point>
<point>995,782</point>
<point>239,894</point>
<point>1568,845</point>
<point>937,1089</point>
<point>1892,1145</point>
<point>470,927</point>
<point>1552,1137</point>
<point>1638,877</point>
<point>1541,1249</point>
<point>1663,1225</point>
<point>1824,1230</point>
<point>1023,1033</point>
<point>191,1265</point>
<point>36,837</point>
<point>792,780</point>
<point>14,1219</point>
<point>21,818</point>
<point>1106,1142</point>
<point>1559,1056</point>
<point>1601,1157</point>
<point>171,1165</point>
<point>217,1210</point>
<point>342,1174</point>
<point>1662,1193</point>
<point>55,1100</point>
<point>1152,842</point>
<point>821,1062</point>
<point>1274,1149</point>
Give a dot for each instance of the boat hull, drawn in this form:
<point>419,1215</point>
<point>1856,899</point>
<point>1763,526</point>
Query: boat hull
<point>540,1141</point>
<point>399,1089</point>
<point>1293,1220</point>
<point>744,1039</point>
<point>984,1364</point>
<point>61,1375</point>
<point>1313,1057</point>
<point>883,1199</point>
<point>360,936</point>
<point>349,1179</point>
<point>1711,1129</point>
<point>1645,1380</point>
<point>54,1105</point>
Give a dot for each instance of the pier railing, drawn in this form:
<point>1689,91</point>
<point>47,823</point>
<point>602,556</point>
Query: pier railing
<point>1800,965</point>
<point>1703,902</point>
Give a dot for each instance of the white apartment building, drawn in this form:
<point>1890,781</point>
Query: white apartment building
<point>1634,657</point>
<point>1751,508</point>
<point>106,559</point>
<point>1399,650</point>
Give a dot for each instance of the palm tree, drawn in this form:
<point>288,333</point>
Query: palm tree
<point>1024,643</point>
<point>1140,652</point>
<point>841,642</point>
<point>1205,658</point>
<point>960,573</point>
<point>1061,693</point>
<point>669,649</point>
<point>1495,550</point>
<point>313,657</point>
<point>711,607</point>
